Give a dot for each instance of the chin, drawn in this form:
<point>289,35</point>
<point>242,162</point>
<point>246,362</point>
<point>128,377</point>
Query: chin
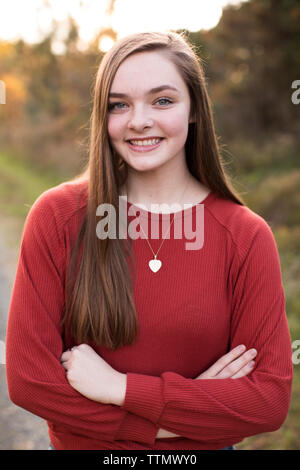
<point>146,166</point>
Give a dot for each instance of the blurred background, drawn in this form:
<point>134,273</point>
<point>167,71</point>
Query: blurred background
<point>49,54</point>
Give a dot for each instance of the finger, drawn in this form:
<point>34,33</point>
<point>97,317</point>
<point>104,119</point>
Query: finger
<point>237,364</point>
<point>244,371</point>
<point>225,360</point>
<point>66,355</point>
<point>65,365</point>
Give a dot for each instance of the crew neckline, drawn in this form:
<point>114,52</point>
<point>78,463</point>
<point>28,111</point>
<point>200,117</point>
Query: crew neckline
<point>159,215</point>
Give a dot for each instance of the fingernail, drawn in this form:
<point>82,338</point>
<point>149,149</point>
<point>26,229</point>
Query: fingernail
<point>241,347</point>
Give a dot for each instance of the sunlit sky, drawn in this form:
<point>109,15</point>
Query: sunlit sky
<point>31,20</point>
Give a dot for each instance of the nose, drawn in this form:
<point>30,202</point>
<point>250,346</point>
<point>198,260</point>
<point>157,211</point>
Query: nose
<point>139,120</point>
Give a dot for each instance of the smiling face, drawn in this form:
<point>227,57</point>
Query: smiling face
<point>148,123</point>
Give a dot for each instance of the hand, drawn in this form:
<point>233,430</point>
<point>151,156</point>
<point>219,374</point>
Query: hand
<point>235,364</point>
<point>92,376</point>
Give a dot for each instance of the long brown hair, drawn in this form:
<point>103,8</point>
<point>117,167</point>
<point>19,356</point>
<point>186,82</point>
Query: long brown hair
<point>100,306</point>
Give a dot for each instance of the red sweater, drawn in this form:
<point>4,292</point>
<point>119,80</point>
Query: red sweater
<point>198,306</point>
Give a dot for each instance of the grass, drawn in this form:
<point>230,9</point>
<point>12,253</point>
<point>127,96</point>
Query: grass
<point>20,185</point>
<point>269,178</point>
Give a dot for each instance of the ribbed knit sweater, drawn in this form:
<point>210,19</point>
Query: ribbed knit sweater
<point>201,304</point>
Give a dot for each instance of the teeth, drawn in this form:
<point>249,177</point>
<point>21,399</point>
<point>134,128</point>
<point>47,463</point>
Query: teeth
<point>145,142</point>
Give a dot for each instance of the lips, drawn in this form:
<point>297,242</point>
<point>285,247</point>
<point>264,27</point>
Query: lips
<point>144,145</point>
<point>144,141</point>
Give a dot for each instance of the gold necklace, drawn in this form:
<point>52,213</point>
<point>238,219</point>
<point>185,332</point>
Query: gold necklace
<point>155,264</point>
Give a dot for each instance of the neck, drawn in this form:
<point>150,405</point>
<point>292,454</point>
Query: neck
<point>158,192</point>
<point>163,187</point>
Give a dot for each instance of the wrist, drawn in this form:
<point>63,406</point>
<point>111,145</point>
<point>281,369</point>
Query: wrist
<point>163,433</point>
<point>120,389</point>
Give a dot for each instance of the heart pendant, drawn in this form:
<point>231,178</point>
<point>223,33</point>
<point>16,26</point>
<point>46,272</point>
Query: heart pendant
<point>155,265</point>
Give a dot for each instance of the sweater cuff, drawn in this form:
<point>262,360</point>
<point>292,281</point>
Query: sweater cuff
<point>140,431</point>
<point>144,396</point>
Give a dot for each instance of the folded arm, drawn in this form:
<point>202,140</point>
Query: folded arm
<point>209,410</point>
<point>36,379</point>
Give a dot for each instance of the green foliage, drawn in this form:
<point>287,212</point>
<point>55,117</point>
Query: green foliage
<point>20,185</point>
<point>271,185</point>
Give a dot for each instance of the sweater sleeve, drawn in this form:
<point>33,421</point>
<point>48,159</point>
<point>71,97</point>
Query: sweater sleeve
<point>35,377</point>
<point>212,409</point>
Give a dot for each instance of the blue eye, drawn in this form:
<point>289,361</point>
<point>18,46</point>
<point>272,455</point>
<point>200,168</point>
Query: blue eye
<point>119,105</point>
<point>165,99</point>
<point>112,106</point>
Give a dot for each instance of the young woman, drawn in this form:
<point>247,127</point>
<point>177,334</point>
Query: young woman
<point>118,341</point>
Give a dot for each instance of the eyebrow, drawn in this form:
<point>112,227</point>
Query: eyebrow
<point>150,92</point>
